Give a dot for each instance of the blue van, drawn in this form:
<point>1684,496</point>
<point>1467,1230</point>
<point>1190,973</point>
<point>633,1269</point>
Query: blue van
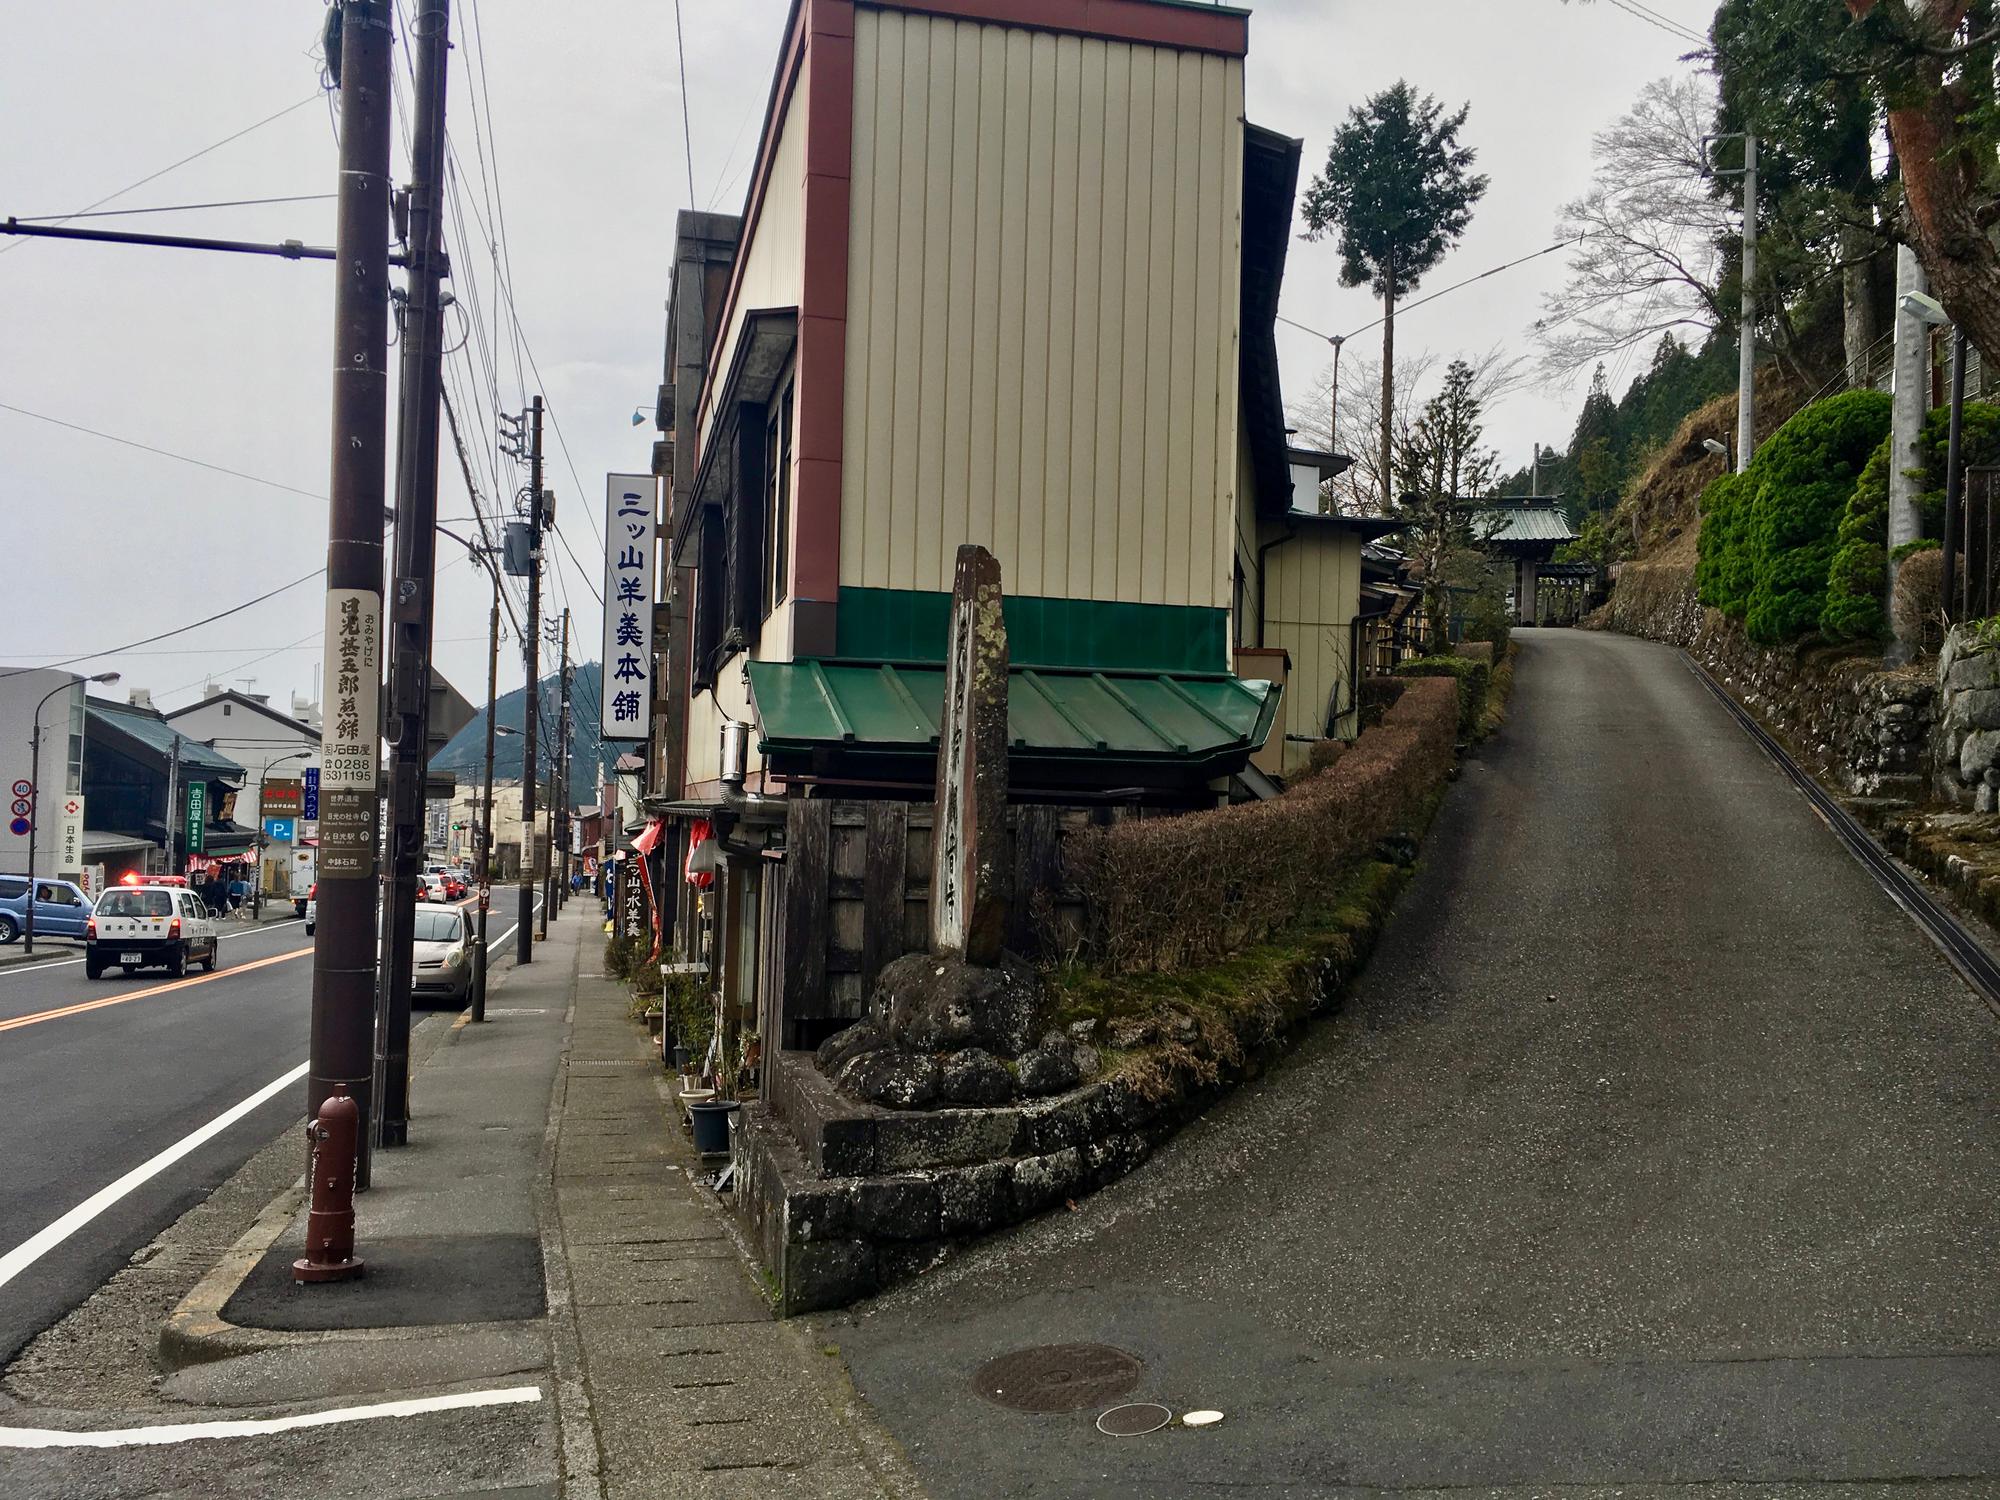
<point>61,908</point>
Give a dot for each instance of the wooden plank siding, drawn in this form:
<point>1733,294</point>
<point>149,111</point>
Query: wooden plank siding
<point>856,895</point>
<point>1042,297</point>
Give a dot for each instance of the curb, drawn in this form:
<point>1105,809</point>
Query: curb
<point>196,1333</point>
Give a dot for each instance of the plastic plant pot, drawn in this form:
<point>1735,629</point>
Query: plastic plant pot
<point>681,1059</point>
<point>711,1125</point>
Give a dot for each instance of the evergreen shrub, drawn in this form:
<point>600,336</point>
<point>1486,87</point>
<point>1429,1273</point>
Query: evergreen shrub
<point>1804,476</point>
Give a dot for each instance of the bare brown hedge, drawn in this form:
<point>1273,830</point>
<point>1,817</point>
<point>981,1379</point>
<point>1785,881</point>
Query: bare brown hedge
<point>1162,894</point>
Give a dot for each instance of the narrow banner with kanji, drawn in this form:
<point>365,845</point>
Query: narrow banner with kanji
<point>630,503</point>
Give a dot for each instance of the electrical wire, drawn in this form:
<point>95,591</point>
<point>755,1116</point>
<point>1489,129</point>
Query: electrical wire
<point>1654,18</point>
<point>234,609</point>
<point>687,134</point>
<point>170,208</point>
<point>175,166</point>
<point>199,463</point>
<point>1441,292</point>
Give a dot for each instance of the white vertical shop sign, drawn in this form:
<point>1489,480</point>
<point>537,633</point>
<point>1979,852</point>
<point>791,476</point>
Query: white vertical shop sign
<point>350,744</point>
<point>69,833</point>
<point>630,504</point>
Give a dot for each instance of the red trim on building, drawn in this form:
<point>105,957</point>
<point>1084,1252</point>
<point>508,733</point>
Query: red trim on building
<point>822,357</point>
<point>1194,28</point>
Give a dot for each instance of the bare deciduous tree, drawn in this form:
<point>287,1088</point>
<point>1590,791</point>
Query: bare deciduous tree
<point>1650,233</point>
<point>1357,492</point>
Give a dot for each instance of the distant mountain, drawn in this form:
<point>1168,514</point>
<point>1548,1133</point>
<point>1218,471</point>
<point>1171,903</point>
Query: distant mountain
<point>464,754</point>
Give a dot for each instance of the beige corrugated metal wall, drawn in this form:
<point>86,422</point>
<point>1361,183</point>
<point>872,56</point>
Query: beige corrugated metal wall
<point>774,259</point>
<point>1313,588</point>
<point>1042,299</point>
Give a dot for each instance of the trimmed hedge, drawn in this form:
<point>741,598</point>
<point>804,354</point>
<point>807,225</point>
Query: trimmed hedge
<point>1170,893</point>
<point>1768,535</point>
<point>1473,677</point>
<point>1859,575</point>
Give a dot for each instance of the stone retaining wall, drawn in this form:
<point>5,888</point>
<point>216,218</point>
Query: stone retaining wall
<point>844,1198</point>
<point>1965,743</point>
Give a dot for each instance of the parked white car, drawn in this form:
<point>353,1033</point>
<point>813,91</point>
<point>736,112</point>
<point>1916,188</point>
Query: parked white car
<point>144,926</point>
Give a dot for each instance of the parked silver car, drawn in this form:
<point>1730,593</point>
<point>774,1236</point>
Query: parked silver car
<point>441,954</point>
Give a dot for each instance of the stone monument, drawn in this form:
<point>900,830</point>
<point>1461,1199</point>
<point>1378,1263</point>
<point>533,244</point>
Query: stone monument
<point>940,1023</point>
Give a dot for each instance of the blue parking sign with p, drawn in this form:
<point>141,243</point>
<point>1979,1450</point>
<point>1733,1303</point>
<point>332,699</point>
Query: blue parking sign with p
<point>280,830</point>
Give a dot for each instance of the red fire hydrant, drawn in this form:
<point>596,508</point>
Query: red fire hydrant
<point>330,1224</point>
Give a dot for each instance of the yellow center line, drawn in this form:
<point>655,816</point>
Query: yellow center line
<point>157,989</point>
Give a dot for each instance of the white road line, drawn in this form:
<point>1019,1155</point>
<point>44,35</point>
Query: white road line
<point>64,963</point>
<point>17,1260</point>
<point>182,1432</point>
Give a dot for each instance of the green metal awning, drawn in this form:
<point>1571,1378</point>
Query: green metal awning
<point>1065,726</point>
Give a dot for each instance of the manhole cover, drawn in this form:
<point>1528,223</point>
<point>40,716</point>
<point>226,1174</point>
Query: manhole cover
<point>1134,1420</point>
<point>1058,1377</point>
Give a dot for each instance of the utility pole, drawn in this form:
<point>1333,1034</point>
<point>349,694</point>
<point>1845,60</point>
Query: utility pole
<point>343,1008</point>
<point>1746,352</point>
<point>486,815</point>
<point>531,649</point>
<point>410,615</point>
<point>173,807</point>
<point>559,804</point>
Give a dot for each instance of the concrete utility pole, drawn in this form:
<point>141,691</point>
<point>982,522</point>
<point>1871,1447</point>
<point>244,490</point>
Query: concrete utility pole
<point>410,616</point>
<point>531,650</point>
<point>343,996</point>
<point>559,804</point>
<point>1746,348</point>
<point>486,803</point>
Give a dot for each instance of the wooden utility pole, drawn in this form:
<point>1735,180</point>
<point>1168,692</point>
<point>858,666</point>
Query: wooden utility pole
<point>531,651</point>
<point>343,995</point>
<point>414,604</point>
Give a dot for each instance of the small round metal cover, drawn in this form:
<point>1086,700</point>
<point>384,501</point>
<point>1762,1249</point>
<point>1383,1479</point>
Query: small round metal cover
<point>1058,1377</point>
<point>1134,1419</point>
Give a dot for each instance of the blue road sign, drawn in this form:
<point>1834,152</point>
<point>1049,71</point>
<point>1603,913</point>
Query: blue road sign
<point>281,830</point>
<point>19,825</point>
<point>310,797</point>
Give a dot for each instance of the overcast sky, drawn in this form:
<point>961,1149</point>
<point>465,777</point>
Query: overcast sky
<point>224,358</point>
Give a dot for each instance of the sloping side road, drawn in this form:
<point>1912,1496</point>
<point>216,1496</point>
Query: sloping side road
<point>1656,1154</point>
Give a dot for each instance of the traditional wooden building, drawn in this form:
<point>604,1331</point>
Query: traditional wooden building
<point>1007,275</point>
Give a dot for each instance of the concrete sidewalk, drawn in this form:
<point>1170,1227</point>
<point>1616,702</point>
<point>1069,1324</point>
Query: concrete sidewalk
<point>692,1387</point>
<point>543,1228</point>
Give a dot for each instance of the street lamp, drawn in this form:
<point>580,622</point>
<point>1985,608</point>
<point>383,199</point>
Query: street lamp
<point>257,886</point>
<point>1720,450</point>
<point>35,794</point>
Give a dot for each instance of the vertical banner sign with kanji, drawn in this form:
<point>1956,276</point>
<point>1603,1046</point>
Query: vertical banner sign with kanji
<point>629,508</point>
<point>197,818</point>
<point>350,747</point>
<point>69,834</point>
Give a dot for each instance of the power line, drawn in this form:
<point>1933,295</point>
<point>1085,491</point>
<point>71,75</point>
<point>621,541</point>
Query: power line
<point>170,208</point>
<point>1441,292</point>
<point>234,609</point>
<point>687,135</point>
<point>175,166</point>
<point>199,463</point>
<point>1664,23</point>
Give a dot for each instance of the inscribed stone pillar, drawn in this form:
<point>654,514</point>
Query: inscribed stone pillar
<point>968,892</point>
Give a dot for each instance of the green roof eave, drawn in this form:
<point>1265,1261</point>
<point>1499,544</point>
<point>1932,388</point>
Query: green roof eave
<point>1193,723</point>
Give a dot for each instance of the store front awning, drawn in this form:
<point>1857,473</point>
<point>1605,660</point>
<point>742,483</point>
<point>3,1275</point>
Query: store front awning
<point>1067,728</point>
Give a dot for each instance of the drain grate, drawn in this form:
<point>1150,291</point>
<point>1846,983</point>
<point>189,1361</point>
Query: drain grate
<point>1058,1377</point>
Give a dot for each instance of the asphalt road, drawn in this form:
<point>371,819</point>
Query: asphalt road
<point>87,1096</point>
<point>1655,1153</point>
